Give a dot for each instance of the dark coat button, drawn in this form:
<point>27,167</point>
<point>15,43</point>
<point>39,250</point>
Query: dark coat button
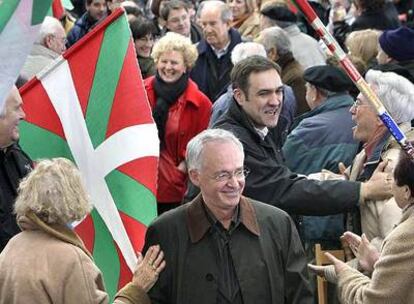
<point>209,277</point>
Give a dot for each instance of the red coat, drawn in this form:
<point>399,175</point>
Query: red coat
<point>186,118</point>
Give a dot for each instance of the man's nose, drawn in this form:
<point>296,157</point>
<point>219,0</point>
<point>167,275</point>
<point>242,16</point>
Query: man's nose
<point>275,99</point>
<point>22,114</point>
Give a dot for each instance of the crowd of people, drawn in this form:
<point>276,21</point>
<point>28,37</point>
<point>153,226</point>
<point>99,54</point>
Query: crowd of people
<point>266,148</point>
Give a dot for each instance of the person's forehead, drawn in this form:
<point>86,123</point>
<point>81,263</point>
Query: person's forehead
<point>97,2</point>
<point>218,149</point>
<point>263,78</point>
<point>210,12</point>
<point>60,31</point>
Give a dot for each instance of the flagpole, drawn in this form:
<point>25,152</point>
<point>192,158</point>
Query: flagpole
<point>355,76</point>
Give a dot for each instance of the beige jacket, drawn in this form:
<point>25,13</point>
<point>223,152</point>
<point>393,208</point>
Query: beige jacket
<point>49,264</point>
<point>250,28</point>
<point>392,279</point>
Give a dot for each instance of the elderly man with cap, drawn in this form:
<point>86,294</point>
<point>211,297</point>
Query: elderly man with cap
<point>322,139</point>
<point>305,49</point>
<point>396,47</point>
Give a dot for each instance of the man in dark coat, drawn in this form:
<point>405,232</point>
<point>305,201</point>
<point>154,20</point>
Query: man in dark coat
<point>95,11</point>
<point>322,139</point>
<point>258,94</point>
<point>223,247</point>
<point>14,164</point>
<point>212,69</point>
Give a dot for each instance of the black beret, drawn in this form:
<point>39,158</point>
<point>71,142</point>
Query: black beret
<point>278,13</point>
<point>328,77</point>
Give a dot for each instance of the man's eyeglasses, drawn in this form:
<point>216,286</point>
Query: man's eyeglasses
<point>359,103</point>
<point>226,176</point>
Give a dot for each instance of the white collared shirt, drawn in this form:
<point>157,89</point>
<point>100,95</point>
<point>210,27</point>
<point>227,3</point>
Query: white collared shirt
<point>222,52</point>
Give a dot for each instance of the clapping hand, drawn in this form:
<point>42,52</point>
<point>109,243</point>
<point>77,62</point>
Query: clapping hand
<point>366,253</point>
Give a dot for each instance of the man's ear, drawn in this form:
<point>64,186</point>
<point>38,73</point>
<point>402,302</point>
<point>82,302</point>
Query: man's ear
<point>272,54</point>
<point>47,41</point>
<point>239,96</point>
<point>407,193</point>
<point>194,177</point>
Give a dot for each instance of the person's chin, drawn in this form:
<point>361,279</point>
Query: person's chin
<point>211,40</point>
<point>355,133</point>
<point>15,137</point>
<point>270,123</point>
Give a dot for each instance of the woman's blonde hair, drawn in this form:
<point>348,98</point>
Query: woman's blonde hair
<point>251,6</point>
<point>54,192</point>
<point>176,42</point>
<point>363,44</point>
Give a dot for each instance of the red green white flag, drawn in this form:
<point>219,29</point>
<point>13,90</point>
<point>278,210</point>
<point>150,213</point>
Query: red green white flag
<point>91,107</point>
<point>20,21</point>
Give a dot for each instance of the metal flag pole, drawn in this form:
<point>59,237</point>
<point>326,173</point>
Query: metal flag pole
<point>355,76</point>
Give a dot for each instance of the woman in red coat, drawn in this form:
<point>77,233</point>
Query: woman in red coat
<point>180,111</point>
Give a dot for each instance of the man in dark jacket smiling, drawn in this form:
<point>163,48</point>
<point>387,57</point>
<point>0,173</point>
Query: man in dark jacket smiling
<point>258,95</point>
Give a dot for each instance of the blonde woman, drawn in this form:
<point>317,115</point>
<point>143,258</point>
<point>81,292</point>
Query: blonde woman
<point>47,262</point>
<point>363,44</point>
<point>245,17</point>
<point>180,111</point>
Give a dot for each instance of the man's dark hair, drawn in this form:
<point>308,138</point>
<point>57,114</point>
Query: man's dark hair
<point>89,2</point>
<point>253,64</point>
<point>172,5</point>
<point>404,172</point>
<point>141,27</point>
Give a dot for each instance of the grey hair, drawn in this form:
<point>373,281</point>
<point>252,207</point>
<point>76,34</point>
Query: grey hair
<point>395,92</point>
<point>225,12</point>
<point>49,26</point>
<point>196,145</point>
<point>54,191</point>
<point>276,37</point>
<point>247,49</point>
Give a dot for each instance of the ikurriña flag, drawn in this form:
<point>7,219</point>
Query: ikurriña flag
<point>90,106</point>
<point>20,22</point>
